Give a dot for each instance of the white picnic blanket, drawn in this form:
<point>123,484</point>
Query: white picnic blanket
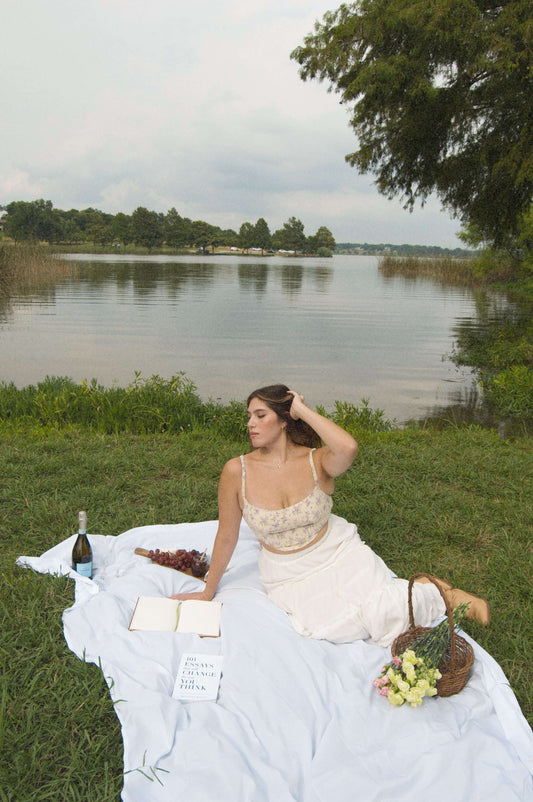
<point>296,719</point>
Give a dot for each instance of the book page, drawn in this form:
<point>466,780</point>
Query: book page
<point>202,617</point>
<point>154,614</point>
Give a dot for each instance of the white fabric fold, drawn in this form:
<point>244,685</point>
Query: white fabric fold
<point>296,719</point>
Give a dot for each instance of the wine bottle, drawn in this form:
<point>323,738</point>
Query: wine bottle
<point>82,554</point>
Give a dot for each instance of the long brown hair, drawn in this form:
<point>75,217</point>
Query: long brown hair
<point>278,398</point>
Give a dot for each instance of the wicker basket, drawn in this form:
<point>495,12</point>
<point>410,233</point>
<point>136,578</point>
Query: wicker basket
<point>459,657</point>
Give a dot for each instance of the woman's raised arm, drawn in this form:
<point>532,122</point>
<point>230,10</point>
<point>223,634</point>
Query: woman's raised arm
<point>340,447</point>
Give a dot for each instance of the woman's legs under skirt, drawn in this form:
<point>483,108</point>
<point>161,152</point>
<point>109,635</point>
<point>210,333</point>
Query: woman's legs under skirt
<point>340,590</point>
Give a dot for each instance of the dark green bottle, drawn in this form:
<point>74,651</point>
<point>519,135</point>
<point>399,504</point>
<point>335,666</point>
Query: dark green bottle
<point>82,554</point>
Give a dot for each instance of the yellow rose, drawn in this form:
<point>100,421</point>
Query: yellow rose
<point>414,697</point>
<point>409,671</point>
<point>409,656</point>
<point>395,698</point>
<point>393,676</point>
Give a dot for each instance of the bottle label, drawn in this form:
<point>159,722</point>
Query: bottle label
<point>84,569</point>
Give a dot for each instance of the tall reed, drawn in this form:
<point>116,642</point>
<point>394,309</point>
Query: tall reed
<point>30,267</point>
<point>444,269</point>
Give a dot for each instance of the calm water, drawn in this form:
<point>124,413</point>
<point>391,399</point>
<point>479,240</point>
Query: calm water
<point>332,328</point>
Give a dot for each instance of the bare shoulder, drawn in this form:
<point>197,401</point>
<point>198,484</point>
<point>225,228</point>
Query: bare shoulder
<point>231,470</point>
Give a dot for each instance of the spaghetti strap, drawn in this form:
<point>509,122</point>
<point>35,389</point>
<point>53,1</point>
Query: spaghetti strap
<point>315,477</point>
<point>243,476</point>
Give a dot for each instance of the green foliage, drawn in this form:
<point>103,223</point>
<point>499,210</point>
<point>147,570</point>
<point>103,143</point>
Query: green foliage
<point>501,353</point>
<point>99,231</point>
<point>146,405</point>
<point>177,230</point>
<point>325,239</point>
<point>204,234</point>
<point>30,267</point>
<point>152,405</point>
<point>246,236</point>
<point>35,220</point>
<point>291,237</point>
<point>262,238</point>
<point>121,228</point>
<point>387,248</point>
<point>440,96</point>
<point>146,227</point>
<point>511,391</point>
<point>38,220</point>
<point>359,420</point>
<point>445,270</point>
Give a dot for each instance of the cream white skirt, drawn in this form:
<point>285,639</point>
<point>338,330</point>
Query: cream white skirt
<point>340,590</point>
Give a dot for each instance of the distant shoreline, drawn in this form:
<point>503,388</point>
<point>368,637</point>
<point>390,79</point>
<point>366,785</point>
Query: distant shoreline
<point>389,249</point>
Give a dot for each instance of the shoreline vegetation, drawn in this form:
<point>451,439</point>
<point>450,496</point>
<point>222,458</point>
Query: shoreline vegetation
<point>29,268</point>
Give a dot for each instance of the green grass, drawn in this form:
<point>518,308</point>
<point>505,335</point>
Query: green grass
<point>456,503</point>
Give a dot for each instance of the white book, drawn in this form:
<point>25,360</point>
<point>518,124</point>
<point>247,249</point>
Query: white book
<point>157,613</point>
<point>198,677</point>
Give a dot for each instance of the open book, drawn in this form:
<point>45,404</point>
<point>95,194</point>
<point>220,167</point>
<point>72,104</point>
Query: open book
<point>161,614</point>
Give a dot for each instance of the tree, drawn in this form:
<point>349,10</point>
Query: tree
<point>441,93</point>
<point>34,220</point>
<point>291,237</point>
<point>121,228</point>
<point>99,232</point>
<point>229,237</point>
<point>146,228</point>
<point>325,239</point>
<point>204,234</point>
<point>175,230</point>
<point>246,236</point>
<point>262,237</point>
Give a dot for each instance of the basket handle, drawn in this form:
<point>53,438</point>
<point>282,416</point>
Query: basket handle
<point>449,611</point>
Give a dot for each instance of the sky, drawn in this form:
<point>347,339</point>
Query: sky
<point>115,104</point>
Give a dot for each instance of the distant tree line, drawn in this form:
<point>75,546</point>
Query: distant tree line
<point>39,221</point>
<point>400,250</point>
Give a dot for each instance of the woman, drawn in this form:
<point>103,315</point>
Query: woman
<point>313,564</point>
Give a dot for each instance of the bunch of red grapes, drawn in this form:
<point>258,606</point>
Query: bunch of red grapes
<point>181,559</point>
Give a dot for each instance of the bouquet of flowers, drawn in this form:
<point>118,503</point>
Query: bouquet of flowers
<point>413,674</point>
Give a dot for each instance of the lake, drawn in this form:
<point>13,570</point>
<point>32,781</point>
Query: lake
<point>335,329</point>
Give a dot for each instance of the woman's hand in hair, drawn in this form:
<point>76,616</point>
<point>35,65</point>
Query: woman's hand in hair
<point>297,404</point>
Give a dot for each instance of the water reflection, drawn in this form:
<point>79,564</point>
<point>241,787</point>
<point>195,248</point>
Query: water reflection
<point>467,407</point>
<point>148,278</point>
<point>253,278</point>
<point>335,327</point>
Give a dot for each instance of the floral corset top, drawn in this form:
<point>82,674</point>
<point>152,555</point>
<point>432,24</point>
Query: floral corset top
<point>291,527</point>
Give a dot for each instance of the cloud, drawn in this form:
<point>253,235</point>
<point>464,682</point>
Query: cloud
<point>121,103</point>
